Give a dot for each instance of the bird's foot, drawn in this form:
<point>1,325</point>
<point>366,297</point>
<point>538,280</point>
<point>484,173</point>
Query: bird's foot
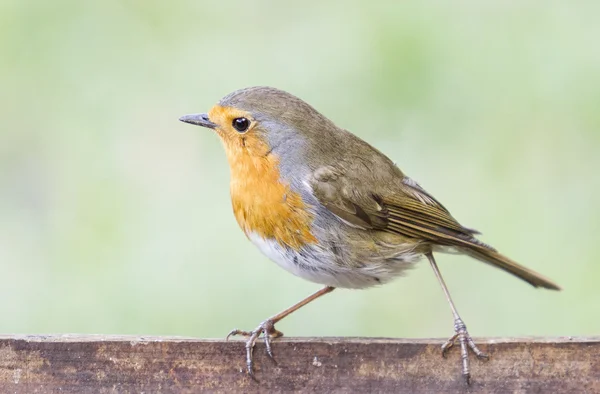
<point>268,331</point>
<point>466,343</point>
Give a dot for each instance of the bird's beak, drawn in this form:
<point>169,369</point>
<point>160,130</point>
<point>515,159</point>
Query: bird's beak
<point>198,120</point>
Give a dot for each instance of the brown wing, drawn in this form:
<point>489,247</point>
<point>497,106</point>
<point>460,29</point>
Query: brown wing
<point>401,206</point>
<point>404,209</point>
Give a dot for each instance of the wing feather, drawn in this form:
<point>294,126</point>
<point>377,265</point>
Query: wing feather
<point>407,209</point>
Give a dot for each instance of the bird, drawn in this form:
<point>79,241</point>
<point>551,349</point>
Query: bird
<point>330,208</point>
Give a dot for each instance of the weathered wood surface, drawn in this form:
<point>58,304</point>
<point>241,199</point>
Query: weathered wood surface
<point>101,364</point>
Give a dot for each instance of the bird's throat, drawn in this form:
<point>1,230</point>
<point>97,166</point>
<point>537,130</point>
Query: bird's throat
<point>262,204</point>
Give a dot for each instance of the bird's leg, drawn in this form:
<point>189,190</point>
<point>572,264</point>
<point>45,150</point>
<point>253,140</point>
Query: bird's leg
<point>460,329</point>
<point>268,331</point>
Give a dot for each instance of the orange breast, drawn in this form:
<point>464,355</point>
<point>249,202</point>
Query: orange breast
<point>261,203</point>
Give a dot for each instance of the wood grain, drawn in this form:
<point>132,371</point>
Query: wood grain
<point>110,364</point>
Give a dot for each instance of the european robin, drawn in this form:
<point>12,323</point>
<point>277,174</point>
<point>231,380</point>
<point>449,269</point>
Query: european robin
<point>330,208</point>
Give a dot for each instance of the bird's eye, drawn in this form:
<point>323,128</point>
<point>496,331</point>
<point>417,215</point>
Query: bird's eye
<point>241,124</point>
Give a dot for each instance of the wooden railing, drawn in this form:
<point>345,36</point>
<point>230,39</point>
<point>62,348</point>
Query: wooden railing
<point>110,364</point>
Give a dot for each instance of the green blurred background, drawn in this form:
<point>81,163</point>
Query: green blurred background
<point>115,216</point>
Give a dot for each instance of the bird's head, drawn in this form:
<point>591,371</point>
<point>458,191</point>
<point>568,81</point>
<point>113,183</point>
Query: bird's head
<point>262,120</point>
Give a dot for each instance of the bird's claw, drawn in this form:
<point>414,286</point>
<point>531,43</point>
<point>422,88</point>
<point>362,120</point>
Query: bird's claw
<point>466,342</point>
<point>446,346</point>
<point>268,331</point>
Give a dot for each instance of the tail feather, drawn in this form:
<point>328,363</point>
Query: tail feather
<point>496,259</point>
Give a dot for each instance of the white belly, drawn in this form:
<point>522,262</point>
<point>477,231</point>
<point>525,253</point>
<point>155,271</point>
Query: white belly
<point>319,265</point>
